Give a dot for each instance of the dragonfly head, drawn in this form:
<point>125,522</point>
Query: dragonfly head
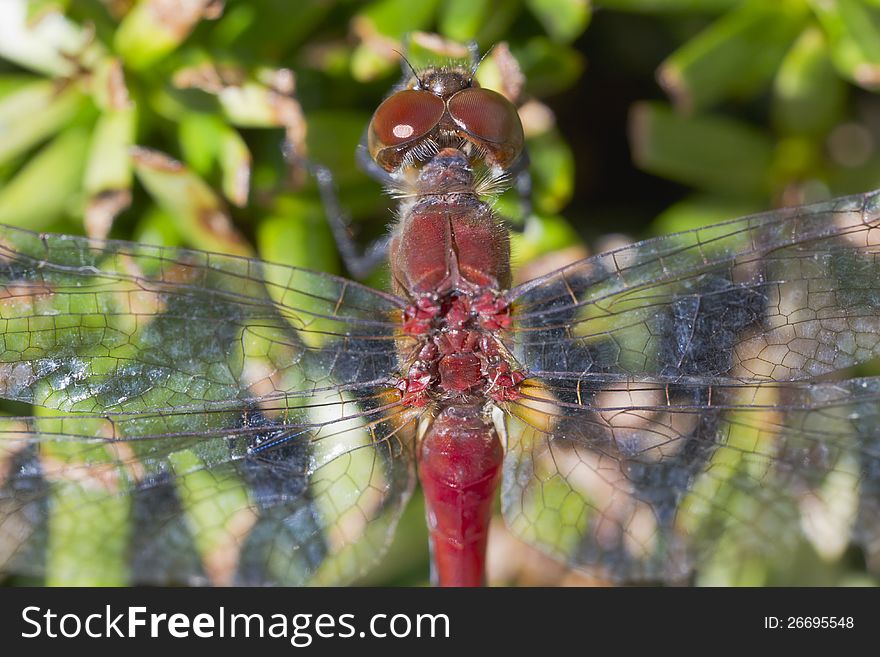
<point>445,108</point>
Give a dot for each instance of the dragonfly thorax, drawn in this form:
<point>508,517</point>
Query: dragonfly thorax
<point>449,252</point>
<point>459,358</point>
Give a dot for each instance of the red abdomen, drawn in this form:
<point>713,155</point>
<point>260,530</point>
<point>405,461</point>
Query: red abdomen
<point>459,468</point>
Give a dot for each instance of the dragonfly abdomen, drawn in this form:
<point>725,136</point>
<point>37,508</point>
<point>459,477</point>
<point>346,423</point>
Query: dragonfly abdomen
<point>459,468</point>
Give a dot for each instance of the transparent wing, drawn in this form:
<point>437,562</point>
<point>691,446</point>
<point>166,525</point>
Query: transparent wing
<point>778,296</point>
<point>285,496</point>
<point>91,326</point>
<point>674,407</point>
<point>226,420</point>
<point>650,479</point>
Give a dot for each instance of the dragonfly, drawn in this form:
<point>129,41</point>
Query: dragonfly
<point>213,419</point>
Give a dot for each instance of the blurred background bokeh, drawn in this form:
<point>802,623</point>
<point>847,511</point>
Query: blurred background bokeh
<point>163,121</point>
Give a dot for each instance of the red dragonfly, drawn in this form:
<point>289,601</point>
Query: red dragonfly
<point>217,419</point>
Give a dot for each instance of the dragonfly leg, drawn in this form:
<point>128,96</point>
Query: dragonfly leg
<point>523,182</point>
<point>359,264</point>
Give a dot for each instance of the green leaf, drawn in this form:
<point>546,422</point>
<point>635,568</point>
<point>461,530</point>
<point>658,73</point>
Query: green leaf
<point>542,234</point>
<point>716,154</point>
<point>407,561</point>
<point>332,139</point>
<point>368,64</point>
<point>382,26</point>
<point>267,30</point>
<point>701,210</point>
<point>499,22</point>
<point>854,32</point>
<point>808,96</point>
<point>34,112</point>
<point>25,201</point>
<point>549,67</point>
<point>552,168</point>
<point>109,161</point>
<point>159,228</point>
<point>201,217</point>
<point>462,19</point>
<point>297,233</point>
<point>564,20</point>
<point>235,164</point>
<point>254,105</point>
<point>107,85</point>
<point>795,158</point>
<point>205,141</point>
<point>735,55</point>
<point>40,43</point>
<point>199,135</point>
<point>149,31</point>
<point>12,82</point>
<point>395,18</point>
<point>669,6</point>
<point>853,180</point>
<point>108,175</point>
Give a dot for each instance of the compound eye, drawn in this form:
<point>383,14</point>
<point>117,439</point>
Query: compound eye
<point>404,117</point>
<point>486,115</point>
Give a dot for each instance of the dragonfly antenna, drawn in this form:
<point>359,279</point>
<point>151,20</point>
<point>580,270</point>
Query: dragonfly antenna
<point>410,66</point>
<point>477,63</point>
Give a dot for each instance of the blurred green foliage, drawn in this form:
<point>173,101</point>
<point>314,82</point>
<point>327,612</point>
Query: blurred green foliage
<point>163,121</point>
